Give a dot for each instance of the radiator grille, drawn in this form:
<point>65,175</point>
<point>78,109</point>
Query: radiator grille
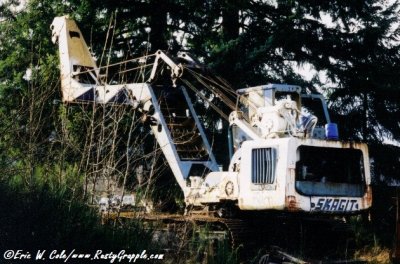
<point>263,166</point>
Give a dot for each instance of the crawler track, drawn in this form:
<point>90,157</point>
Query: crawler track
<point>256,233</point>
<point>239,231</point>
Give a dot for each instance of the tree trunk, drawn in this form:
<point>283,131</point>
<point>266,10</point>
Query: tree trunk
<point>230,20</point>
<point>230,31</point>
<point>158,25</point>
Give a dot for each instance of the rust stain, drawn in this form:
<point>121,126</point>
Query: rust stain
<point>291,203</point>
<point>367,199</point>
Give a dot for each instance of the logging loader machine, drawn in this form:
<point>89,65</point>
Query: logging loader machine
<point>285,153</point>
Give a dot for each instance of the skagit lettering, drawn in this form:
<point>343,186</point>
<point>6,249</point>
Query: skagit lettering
<point>335,205</point>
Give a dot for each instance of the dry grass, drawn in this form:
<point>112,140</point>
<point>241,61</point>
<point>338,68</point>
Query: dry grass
<point>374,255</point>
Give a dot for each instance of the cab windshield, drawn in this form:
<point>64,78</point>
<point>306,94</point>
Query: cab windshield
<point>323,171</point>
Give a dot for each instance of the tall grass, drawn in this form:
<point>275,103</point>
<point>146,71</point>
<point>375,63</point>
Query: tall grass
<point>41,218</point>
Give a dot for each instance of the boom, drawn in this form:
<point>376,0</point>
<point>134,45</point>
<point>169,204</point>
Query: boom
<point>173,120</point>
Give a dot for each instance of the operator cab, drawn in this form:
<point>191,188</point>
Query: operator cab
<point>315,171</point>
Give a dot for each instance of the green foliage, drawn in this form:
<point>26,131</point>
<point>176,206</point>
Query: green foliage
<point>28,85</point>
<point>41,218</point>
<point>374,231</point>
<point>209,246</point>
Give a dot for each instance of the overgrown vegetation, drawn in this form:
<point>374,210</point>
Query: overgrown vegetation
<point>50,153</point>
<point>42,218</point>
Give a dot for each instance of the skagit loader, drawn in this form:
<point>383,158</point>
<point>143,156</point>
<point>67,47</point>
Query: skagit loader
<point>285,152</point>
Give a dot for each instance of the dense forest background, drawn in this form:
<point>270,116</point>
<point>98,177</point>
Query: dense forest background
<point>349,49</point>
